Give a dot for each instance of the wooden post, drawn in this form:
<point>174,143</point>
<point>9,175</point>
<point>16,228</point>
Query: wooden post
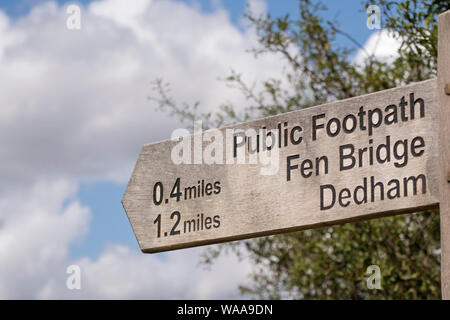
<point>444,147</point>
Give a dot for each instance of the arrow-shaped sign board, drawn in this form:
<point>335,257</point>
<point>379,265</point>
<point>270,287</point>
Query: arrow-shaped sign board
<point>370,156</point>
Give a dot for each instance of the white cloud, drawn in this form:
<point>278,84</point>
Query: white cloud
<point>75,103</point>
<point>257,7</point>
<point>74,106</point>
<point>36,229</point>
<point>120,273</point>
<point>382,44</point>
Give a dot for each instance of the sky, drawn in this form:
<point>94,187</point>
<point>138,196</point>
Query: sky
<point>74,113</point>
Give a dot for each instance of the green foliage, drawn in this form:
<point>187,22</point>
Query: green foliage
<point>331,263</point>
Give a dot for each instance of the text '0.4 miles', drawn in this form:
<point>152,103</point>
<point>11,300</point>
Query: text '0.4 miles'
<point>202,189</point>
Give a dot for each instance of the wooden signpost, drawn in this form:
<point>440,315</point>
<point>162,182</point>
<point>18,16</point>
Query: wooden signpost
<point>444,147</point>
<point>371,156</point>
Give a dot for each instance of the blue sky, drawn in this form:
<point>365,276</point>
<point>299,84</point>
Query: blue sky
<point>96,150</point>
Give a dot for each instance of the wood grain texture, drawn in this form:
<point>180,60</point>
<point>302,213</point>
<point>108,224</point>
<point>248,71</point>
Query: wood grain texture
<point>250,204</point>
<point>444,148</point>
